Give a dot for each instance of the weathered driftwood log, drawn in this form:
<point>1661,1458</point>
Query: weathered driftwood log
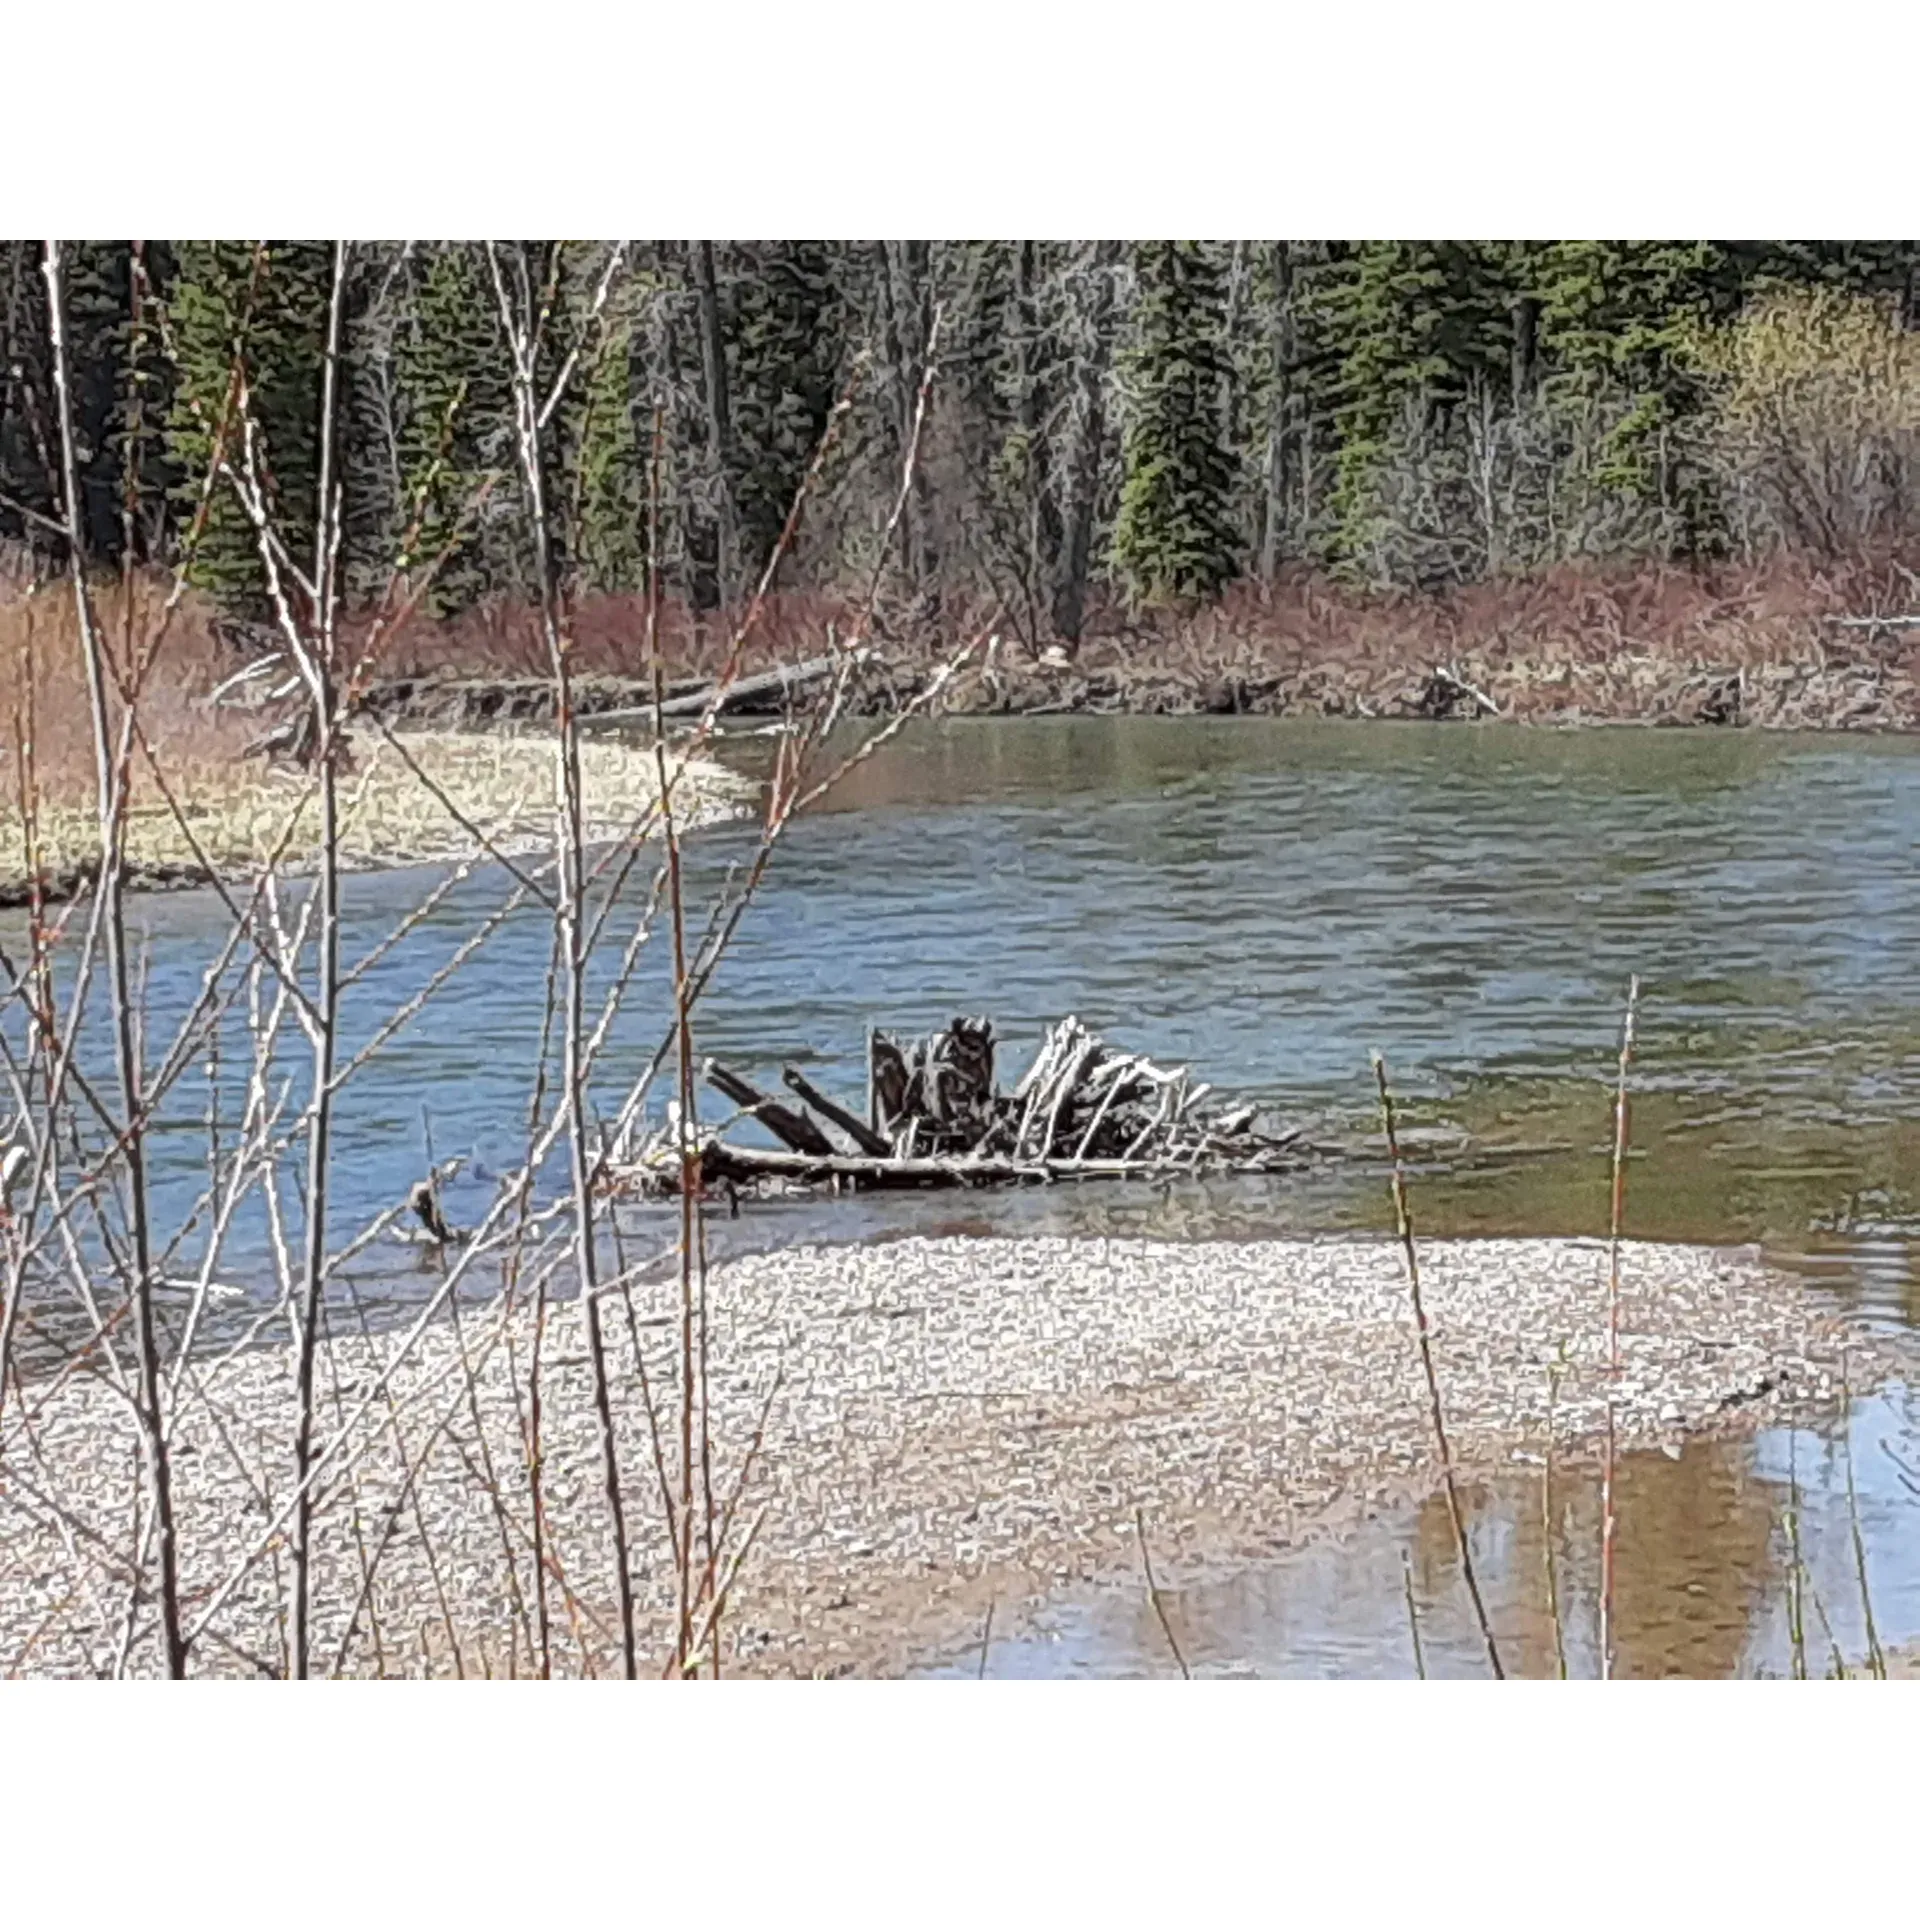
<point>720,1162</point>
<point>863,1136</point>
<point>1083,1109</point>
<point>792,1129</point>
<point>935,1092</point>
<point>769,692</point>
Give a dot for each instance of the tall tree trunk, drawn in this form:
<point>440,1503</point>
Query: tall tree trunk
<point>1279,409</point>
<point>713,361</point>
<point>1526,334</point>
<point>906,283</point>
<point>1043,506</point>
<point>1070,590</point>
<point>700,535</point>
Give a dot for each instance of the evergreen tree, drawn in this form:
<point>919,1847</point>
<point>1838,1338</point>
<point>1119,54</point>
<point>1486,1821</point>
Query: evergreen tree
<point>263,307</point>
<point>116,382</point>
<point>1176,539</point>
<point>455,432</point>
<point>1420,324</point>
<point>785,332</point>
<point>611,537</point>
<point>1620,319</point>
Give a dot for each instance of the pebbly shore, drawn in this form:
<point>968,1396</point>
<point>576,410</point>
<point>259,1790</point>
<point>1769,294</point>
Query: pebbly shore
<point>946,1423</point>
<point>415,798</point>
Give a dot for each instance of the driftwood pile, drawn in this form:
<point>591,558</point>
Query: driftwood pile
<point>936,1117</point>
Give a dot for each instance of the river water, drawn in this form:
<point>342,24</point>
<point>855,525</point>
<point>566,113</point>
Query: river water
<point>1270,900</point>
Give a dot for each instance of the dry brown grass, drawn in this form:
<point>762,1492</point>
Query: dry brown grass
<point>1642,642</point>
<point>609,638</point>
<point>1741,614</point>
<point>43,688</point>
<point>200,801</point>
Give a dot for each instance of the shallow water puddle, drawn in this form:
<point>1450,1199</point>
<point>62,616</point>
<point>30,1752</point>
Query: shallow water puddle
<point>1705,1575</point>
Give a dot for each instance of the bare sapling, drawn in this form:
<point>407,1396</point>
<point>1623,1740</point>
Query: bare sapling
<point>111,793</point>
<point>319,666</point>
<point>519,322</point>
<point>1403,1219</point>
<point>1608,1517</point>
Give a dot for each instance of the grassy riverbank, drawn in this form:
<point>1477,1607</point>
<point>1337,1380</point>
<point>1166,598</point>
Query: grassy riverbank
<point>1778,642</point>
<point>1772,644</point>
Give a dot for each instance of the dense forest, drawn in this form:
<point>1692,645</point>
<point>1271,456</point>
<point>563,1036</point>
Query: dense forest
<point>1126,423</point>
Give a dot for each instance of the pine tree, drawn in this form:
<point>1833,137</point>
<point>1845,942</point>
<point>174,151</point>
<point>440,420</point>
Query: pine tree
<point>263,306</point>
<point>611,537</point>
<point>785,331</point>
<point>1419,326</point>
<point>455,430</point>
<point>1619,320</point>
<point>1176,539</point>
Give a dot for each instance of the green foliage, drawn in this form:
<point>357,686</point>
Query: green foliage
<point>612,533</point>
<point>785,326</point>
<point>260,308</point>
<point>1419,412</point>
<point>1420,325</point>
<point>117,381</point>
<point>1617,318</point>
<point>455,433</point>
<point>1176,539</point>
<point>1814,416</point>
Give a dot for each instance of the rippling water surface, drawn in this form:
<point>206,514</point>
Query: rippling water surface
<point>1269,900</point>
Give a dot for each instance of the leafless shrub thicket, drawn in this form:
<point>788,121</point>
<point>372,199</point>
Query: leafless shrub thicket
<point>290,1502</point>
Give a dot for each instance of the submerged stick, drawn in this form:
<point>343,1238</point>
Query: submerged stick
<point>1546,1517</point>
<point>1608,1518</point>
<point>1413,1618</point>
<point>1404,1220</point>
<point>1876,1654</point>
<point>1153,1594</point>
<point>1796,1594</point>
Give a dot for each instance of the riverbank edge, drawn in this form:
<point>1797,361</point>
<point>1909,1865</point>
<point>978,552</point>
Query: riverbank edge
<point>1194,1551</point>
<point>393,824</point>
<point>1815,694</point>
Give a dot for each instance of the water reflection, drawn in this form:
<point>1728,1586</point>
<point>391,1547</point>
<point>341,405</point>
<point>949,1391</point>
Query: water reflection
<point>1705,1575</point>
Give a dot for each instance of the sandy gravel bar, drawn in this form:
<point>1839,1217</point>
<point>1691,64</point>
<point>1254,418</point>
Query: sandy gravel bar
<point>957,1420</point>
<point>407,800</point>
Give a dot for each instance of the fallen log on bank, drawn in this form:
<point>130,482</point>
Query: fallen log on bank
<point>771,692</point>
<point>1083,1110</point>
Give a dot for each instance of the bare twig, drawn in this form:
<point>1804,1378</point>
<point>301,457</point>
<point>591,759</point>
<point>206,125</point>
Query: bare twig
<point>1153,1595</point>
<point>1404,1220</point>
<point>1607,1516</point>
